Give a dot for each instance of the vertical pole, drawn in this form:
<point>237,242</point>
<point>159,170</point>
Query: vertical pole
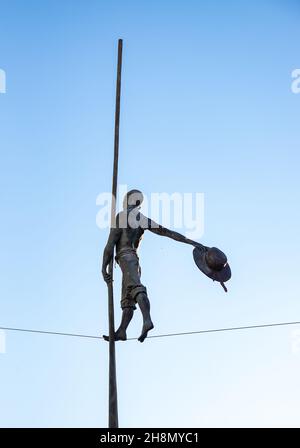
<point>113,398</point>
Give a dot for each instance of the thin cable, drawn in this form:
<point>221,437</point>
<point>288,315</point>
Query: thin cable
<point>56,333</point>
<point>215,330</point>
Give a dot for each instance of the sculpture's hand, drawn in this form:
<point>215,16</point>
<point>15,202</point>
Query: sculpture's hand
<point>108,253</point>
<point>198,245</point>
<point>106,276</point>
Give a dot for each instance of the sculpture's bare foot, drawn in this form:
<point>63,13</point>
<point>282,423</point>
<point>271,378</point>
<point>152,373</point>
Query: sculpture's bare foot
<point>148,325</point>
<point>120,335</point>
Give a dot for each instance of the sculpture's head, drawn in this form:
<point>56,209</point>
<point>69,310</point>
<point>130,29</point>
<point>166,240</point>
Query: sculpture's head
<point>133,198</point>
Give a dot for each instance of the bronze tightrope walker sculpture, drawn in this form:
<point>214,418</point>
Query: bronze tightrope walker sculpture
<point>125,237</point>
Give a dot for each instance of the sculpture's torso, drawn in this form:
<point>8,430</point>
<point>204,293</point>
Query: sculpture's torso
<point>130,237</point>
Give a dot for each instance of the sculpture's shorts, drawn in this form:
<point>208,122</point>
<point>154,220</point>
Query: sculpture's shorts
<point>131,281</point>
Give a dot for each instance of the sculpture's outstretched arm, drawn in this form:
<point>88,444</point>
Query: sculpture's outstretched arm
<point>108,252</point>
<point>163,231</point>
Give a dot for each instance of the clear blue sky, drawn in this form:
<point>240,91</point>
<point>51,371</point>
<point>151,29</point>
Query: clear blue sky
<point>206,107</point>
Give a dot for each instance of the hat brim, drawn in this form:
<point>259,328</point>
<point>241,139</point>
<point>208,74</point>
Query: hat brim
<point>220,276</point>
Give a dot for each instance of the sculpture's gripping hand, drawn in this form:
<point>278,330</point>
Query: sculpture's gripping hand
<point>106,276</point>
<point>198,245</point>
<point>108,253</point>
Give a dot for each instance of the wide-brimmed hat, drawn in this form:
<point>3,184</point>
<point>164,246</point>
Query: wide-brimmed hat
<point>213,263</point>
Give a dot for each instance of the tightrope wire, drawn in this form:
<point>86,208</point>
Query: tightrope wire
<point>155,336</point>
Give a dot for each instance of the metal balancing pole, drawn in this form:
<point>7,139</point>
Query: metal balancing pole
<point>113,398</point>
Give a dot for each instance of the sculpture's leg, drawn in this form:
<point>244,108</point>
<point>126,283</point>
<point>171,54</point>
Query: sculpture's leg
<point>120,334</point>
<point>144,305</point>
<point>126,318</point>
